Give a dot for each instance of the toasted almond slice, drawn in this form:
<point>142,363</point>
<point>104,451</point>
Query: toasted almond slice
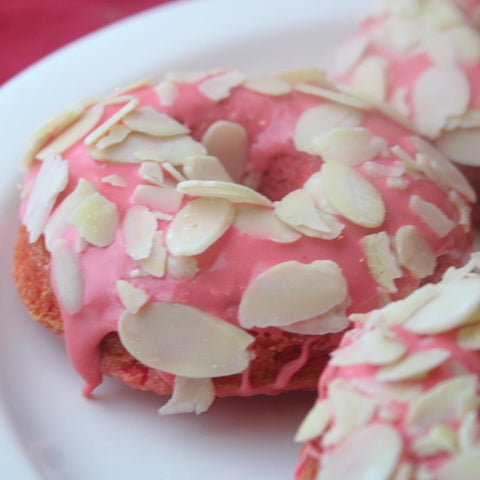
<point>316,421</point>
<point>139,226</point>
<point>218,88</point>
<point>167,93</point>
<point>448,83</point>
<point>317,121</point>
<point>171,337</point>
<point>353,146</point>
<point>462,146</point>
<point>165,199</point>
<point>198,225</point>
<point>234,192</point>
<point>151,172</point>
<point>96,220</point>
<point>413,366</point>
<point>353,195</point>
<point>51,179</point>
<point>267,84</point>
<point>58,223</point>
<point>381,261</point>
<point>372,453</point>
<point>464,466</point>
<point>432,216</point>
<point>68,277</point>
<point>414,252</point>
<point>228,141</point>
<point>303,75</point>
<point>370,77</point>
<point>181,267</point>
<point>469,337</point>
<point>150,121</point>
<point>205,167</point>
<point>114,180</point>
<point>290,292</point>
<point>155,263</point>
<point>73,133</point>
<point>117,134</point>
<point>379,349</point>
<point>132,298</point>
<point>263,223</point>
<point>447,401</point>
<point>138,147</point>
<point>190,395</point>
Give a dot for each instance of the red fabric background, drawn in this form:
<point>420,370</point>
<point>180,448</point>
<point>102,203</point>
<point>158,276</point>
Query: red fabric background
<point>31,29</point>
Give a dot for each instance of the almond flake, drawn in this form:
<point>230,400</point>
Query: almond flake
<point>150,121</point>
<point>298,210</point>
<point>447,401</point>
<point>96,220</point>
<point>315,187</point>
<point>379,349</point>
<point>349,355</point>
<point>167,93</point>
<point>399,101</point>
<point>370,77</point>
<point>199,225</point>
<point>413,366</point>
<point>414,252</point>
<point>155,263</point>
<point>114,180</point>
<point>468,431</point>
<point>132,298</point>
<point>381,261</point>
<point>448,83</point>
<point>108,124</point>
<point>190,395</point>
<point>369,453</point>
<point>68,276</point>
<point>397,183</point>
<point>180,267</point>
<point>464,466</point>
<point>205,167</point>
<point>228,142</point>
<point>401,392</point>
<point>353,146</point>
<point>58,223</point>
<point>267,85</point>
<point>234,192</point>
<point>440,439</point>
<point>303,75</point>
<point>263,223</point>
<point>469,337</point>
<point>188,77</point>
<point>317,121</point>
<point>151,172</point>
<point>456,304</point>
<point>117,134</point>
<point>316,421</point>
<point>404,472</point>
<point>51,179</point>
<point>139,226</point>
<point>353,195</point>
<point>171,337</point>
<point>165,199</point>
<point>174,173</point>
<point>461,146</point>
<point>290,292</point>
<point>432,216</point>
<point>73,133</point>
<point>218,88</point>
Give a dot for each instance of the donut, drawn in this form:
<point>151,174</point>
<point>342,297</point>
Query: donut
<point>423,59</point>
<point>399,398</point>
<point>209,235</point>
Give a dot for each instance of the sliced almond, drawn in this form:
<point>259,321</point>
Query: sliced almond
<point>51,179</point>
<point>353,195</point>
<point>414,252</point>
<point>333,321</point>
<point>167,93</point>
<point>372,453</point>
<point>263,223</point>
<point>114,180</point>
<point>330,93</point>
<point>303,75</point>
<point>174,173</point>
<point>432,216</point>
<point>150,121</point>
<point>468,431</point>
<point>267,85</point>
<point>381,261</point>
<point>117,134</point>
<point>181,267</point>
<point>379,349</point>
<point>205,167</point>
<point>439,439</point>
<point>370,77</point>
<point>132,298</point>
<point>402,392</point>
<point>139,226</point>
<point>461,146</point>
<point>469,337</point>
<point>68,277</point>
<point>190,395</point>
<point>151,172</point>
<point>155,263</point>
<point>171,337</point>
<point>234,192</point>
<point>228,141</point>
<point>96,220</point>
<point>448,83</point>
<point>218,88</point>
<point>199,225</point>
<point>317,121</point>
<point>464,466</point>
<point>348,355</point>
<point>165,199</point>
<point>290,292</point>
<point>316,421</point>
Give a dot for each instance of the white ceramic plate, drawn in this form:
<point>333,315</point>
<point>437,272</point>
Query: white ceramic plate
<point>47,429</point>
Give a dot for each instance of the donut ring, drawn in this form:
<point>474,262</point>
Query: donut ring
<point>209,235</point>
